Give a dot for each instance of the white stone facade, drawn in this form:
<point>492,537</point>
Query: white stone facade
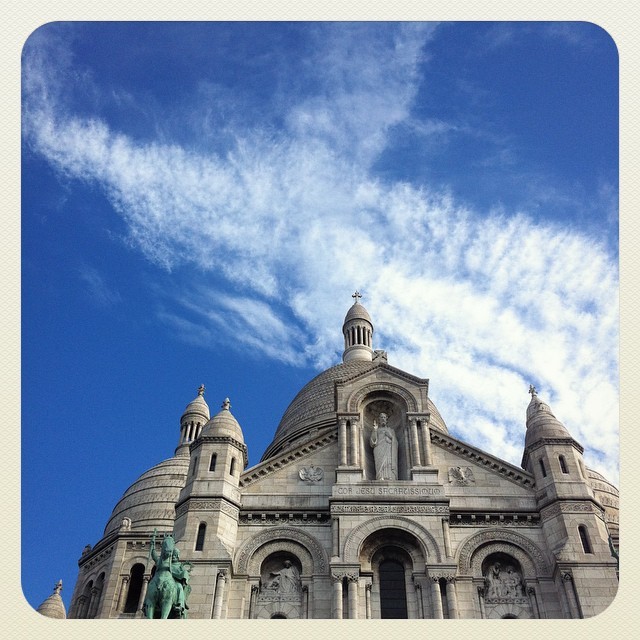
<point>309,532</point>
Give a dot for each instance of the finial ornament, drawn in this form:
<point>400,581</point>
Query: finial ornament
<point>356,296</point>
<point>58,588</point>
<point>226,404</point>
<point>532,390</point>
<point>201,390</point>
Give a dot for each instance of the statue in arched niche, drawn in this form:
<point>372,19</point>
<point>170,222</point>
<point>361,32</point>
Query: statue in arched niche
<point>286,580</point>
<point>385,449</point>
<point>503,581</point>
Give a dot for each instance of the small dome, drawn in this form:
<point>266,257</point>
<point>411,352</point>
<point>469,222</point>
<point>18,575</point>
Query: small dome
<point>150,501</point>
<point>198,405</point>
<point>357,312</point>
<point>541,423</point>
<point>53,607</point>
<point>223,424</point>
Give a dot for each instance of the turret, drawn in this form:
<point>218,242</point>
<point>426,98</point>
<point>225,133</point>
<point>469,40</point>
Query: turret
<point>53,607</point>
<point>358,333</point>
<point>207,510</point>
<point>195,416</point>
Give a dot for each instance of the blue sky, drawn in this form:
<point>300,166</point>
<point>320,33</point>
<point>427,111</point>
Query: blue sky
<point>200,200</point>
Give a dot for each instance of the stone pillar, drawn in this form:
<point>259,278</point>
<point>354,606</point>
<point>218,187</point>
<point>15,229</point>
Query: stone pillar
<point>143,591</point>
<point>124,590</point>
<point>305,602</point>
<point>483,613</point>
<point>352,594</point>
<point>415,445</point>
<point>342,440</point>
<point>436,598</point>
<point>336,608</point>
<point>569,589</point>
<point>419,601</point>
<point>219,594</point>
<point>355,448</point>
<point>452,597</point>
<point>93,604</point>
<point>533,599</point>
<point>427,443</point>
<point>335,537</point>
<point>367,599</point>
<point>446,536</point>
<point>252,600</point>
<point>81,607</point>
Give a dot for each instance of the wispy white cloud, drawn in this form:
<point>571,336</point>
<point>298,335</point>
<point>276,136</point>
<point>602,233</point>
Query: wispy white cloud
<point>98,288</point>
<point>481,304</point>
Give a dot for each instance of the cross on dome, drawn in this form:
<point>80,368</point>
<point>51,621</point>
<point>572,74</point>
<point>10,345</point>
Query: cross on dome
<point>201,390</point>
<point>532,390</point>
<point>356,296</point>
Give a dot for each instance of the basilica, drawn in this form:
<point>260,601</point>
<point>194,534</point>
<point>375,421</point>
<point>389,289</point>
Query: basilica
<point>363,506</point>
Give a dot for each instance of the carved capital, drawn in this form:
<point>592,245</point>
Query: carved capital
<point>481,592</point>
<point>222,573</point>
<point>337,577</point>
<point>451,579</point>
<point>567,577</point>
<point>342,422</point>
<point>125,579</point>
<point>352,577</point>
<point>531,591</point>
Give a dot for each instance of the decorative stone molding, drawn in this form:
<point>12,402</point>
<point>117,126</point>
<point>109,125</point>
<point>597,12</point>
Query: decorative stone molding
<point>211,504</point>
<point>571,507</point>
<point>479,546</point>
<point>264,469</point>
<point>92,562</point>
<point>506,470</point>
<point>295,519</point>
<point>355,399</point>
<point>280,539</point>
<point>389,508</point>
<point>494,520</point>
<point>356,538</point>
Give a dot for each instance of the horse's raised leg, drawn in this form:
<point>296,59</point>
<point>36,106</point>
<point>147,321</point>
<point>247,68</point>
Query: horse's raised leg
<point>148,611</point>
<point>165,609</point>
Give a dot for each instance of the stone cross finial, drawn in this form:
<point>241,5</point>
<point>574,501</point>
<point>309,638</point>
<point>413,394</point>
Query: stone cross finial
<point>532,390</point>
<point>226,404</point>
<point>201,390</point>
<point>58,587</point>
<point>356,296</point>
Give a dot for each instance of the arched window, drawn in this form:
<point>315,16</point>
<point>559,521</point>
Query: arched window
<point>232,467</point>
<point>584,538</point>
<point>202,530</point>
<point>544,471</point>
<point>135,588</point>
<point>212,462</point>
<point>563,464</point>
<point>393,595</point>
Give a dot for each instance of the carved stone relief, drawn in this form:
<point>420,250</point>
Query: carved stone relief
<point>311,474</point>
<point>461,476</point>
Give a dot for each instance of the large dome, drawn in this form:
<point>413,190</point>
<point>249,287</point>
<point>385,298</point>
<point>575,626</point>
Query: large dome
<point>150,501</point>
<point>314,407</point>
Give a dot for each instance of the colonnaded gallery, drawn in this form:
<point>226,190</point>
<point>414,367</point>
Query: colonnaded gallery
<point>363,506</point>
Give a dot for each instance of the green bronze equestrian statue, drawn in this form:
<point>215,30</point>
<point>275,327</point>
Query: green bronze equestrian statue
<point>169,588</point>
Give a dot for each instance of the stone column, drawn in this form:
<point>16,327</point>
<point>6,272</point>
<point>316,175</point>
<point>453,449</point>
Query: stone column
<point>81,607</point>
<point>415,446</point>
<point>252,600</point>
<point>446,536</point>
<point>93,604</point>
<point>355,448</point>
<point>574,605</point>
<point>335,537</point>
<point>305,601</point>
<point>122,598</point>
<point>483,613</point>
<point>367,598</point>
<point>342,440</point>
<point>143,591</point>
<point>531,592</point>
<point>219,594</point>
<point>427,443</point>
<point>352,594</point>
<point>436,598</point>
<point>452,597</point>
<point>336,608</point>
<point>420,603</point>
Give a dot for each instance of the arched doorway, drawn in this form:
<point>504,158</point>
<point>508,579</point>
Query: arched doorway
<point>393,594</point>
